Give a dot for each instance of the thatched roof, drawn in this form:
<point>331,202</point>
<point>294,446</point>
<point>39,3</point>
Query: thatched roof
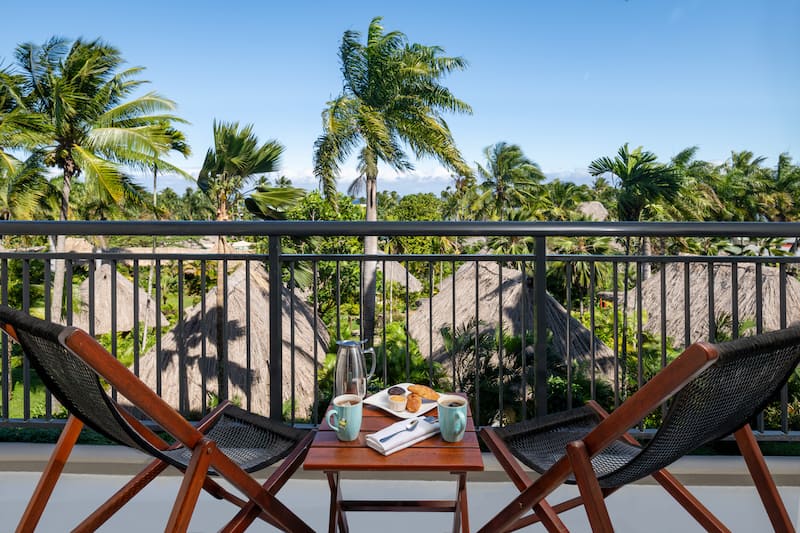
<point>396,273</point>
<point>78,245</point>
<point>199,329</point>
<point>723,299</point>
<point>594,210</point>
<point>517,303</point>
<point>124,304</point>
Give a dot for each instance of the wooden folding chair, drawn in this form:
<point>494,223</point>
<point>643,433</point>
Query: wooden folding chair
<point>714,389</point>
<point>229,442</point>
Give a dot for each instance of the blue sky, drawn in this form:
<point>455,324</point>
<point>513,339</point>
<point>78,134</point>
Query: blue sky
<point>568,81</point>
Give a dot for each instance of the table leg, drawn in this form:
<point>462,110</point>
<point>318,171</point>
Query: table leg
<point>336,514</point>
<point>461,512</point>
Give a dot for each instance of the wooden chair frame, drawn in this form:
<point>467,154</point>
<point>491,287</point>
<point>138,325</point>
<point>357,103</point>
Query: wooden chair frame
<point>577,461</point>
<point>260,501</point>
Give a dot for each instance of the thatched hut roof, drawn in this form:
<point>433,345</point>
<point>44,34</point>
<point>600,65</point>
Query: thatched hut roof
<point>594,210</point>
<point>517,303</point>
<point>102,303</point>
<point>396,273</point>
<point>199,329</point>
<point>723,299</point>
<point>78,245</point>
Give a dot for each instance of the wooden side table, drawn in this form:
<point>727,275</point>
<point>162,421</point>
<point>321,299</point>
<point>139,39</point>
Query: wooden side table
<point>330,455</point>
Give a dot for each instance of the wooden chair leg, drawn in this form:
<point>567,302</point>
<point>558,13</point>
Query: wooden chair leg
<point>542,510</point>
<point>549,517</point>
<point>249,487</point>
<point>191,485</point>
<point>35,508</point>
<point>763,481</point>
<point>688,501</point>
<point>133,487</point>
<point>272,485</point>
<point>101,515</point>
<point>593,500</point>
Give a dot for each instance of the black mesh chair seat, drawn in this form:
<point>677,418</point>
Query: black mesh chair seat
<point>540,442</point>
<point>250,441</point>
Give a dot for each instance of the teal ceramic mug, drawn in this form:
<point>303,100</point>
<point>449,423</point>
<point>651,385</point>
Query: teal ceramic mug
<point>345,416</point>
<point>452,417</point>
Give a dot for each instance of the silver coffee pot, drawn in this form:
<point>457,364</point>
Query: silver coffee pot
<point>351,374</point>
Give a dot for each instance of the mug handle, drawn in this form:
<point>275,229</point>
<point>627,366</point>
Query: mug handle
<point>461,421</point>
<point>334,426</point>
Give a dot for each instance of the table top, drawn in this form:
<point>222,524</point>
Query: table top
<point>327,452</point>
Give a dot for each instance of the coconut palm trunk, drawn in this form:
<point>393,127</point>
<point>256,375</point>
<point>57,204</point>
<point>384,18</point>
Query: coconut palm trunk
<point>219,312</point>
<point>370,267</point>
<point>59,266</point>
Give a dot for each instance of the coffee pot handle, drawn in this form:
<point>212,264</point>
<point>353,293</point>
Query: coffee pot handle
<point>372,366</point>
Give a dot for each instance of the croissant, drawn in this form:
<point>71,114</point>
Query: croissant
<point>424,391</point>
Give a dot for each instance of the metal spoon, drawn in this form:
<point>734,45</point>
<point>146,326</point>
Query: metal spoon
<point>409,426</point>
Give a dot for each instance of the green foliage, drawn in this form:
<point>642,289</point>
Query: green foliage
<point>502,380</point>
<point>232,163</point>
<point>404,365</point>
<point>510,181</point>
<point>642,180</point>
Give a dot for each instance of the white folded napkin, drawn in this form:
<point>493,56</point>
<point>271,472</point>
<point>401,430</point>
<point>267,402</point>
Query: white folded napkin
<point>422,431</point>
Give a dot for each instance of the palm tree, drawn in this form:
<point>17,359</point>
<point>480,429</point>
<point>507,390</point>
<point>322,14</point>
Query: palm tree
<point>459,198</point>
<point>20,128</point>
<point>23,190</point>
<point>697,199</point>
<point>641,180</point>
<point>561,199</point>
<point>642,183</point>
<point>234,161</point>
<point>784,201</point>
<point>271,203</point>
<point>177,143</point>
<point>509,180</point>
<point>91,125</point>
<point>391,97</point>
<point>742,185</point>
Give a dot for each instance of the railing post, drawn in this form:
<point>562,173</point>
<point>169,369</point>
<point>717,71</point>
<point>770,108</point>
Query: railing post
<point>275,330</point>
<point>540,325</point>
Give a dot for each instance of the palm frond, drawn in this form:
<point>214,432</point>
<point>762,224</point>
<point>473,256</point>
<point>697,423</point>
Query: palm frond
<point>104,172</point>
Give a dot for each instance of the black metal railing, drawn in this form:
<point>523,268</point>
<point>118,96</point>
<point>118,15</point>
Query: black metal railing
<point>524,333</point>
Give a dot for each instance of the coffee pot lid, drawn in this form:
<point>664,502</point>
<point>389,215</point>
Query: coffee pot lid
<point>349,343</point>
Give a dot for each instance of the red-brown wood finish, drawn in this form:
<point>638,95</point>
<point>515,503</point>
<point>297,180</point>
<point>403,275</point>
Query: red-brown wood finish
<point>334,457</point>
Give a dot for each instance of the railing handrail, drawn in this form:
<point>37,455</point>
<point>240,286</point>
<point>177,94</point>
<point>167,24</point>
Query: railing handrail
<point>297,228</point>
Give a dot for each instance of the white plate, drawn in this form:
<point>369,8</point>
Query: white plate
<point>381,401</point>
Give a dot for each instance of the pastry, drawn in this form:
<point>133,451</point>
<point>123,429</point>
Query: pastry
<point>426,392</point>
<point>413,402</point>
<point>397,402</point>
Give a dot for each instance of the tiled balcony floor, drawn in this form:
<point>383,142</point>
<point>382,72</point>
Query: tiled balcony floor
<point>642,507</point>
